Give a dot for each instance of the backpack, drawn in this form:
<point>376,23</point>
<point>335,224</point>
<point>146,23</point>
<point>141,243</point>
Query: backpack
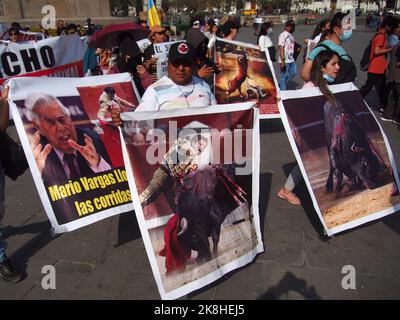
<point>272,53</point>
<point>348,70</point>
<point>366,57</point>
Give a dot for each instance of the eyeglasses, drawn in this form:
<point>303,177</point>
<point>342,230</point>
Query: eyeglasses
<point>13,34</point>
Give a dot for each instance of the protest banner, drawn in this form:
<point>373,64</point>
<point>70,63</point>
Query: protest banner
<point>161,51</point>
<point>247,74</point>
<point>54,57</point>
<point>194,180</point>
<point>343,154</point>
<point>73,150</point>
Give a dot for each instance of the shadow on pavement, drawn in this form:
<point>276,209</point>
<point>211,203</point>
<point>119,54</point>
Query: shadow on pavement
<point>265,191</point>
<point>271,126</point>
<point>29,249</point>
<point>290,283</point>
<point>128,228</point>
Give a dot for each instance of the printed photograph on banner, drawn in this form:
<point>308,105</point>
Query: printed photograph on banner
<point>349,166</point>
<point>47,57</point>
<point>71,141</point>
<point>195,176</point>
<point>246,75</point>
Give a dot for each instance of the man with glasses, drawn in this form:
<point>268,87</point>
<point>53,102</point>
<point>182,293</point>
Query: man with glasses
<point>62,152</point>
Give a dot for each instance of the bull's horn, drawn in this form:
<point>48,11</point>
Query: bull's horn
<point>354,148</point>
<point>184,226</point>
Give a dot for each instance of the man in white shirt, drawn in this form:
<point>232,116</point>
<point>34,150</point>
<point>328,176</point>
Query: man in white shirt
<point>179,90</point>
<point>286,43</point>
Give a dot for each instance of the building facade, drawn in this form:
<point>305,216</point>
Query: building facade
<point>16,10</point>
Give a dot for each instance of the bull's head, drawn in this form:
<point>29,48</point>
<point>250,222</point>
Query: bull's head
<point>367,168</point>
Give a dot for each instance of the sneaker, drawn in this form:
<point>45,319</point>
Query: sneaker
<point>8,273</point>
<point>289,196</point>
<point>386,119</point>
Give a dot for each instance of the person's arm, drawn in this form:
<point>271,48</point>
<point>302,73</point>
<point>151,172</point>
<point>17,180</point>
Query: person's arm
<point>4,111</point>
<point>378,43</point>
<point>282,54</point>
<point>145,78</point>
<point>305,72</point>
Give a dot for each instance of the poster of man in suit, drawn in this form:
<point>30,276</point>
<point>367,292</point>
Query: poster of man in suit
<point>80,178</point>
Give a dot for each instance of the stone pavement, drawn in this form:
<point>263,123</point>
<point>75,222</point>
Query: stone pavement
<point>107,260</point>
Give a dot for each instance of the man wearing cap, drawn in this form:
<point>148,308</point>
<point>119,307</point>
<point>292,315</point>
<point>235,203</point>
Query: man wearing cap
<point>180,89</point>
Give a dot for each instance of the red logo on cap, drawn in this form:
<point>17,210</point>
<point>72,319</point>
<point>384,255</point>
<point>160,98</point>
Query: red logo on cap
<point>183,48</point>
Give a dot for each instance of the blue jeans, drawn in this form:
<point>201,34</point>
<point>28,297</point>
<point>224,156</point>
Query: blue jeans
<point>3,256</point>
<point>290,72</point>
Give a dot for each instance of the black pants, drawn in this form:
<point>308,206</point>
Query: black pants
<point>379,82</point>
<point>392,110</point>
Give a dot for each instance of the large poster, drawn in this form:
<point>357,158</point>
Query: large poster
<point>343,154</point>
<point>56,57</point>
<point>247,74</point>
<point>73,150</point>
<point>194,175</point>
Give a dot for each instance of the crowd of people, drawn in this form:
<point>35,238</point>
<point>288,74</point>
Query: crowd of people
<point>191,69</point>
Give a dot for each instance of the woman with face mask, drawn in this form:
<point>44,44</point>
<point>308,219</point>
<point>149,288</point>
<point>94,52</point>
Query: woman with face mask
<point>332,39</point>
<point>324,71</point>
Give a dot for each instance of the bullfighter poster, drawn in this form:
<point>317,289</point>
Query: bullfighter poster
<point>343,154</point>
<point>247,74</point>
<point>73,150</point>
<point>53,57</point>
<point>194,175</point>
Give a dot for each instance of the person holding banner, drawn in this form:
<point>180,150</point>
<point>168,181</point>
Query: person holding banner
<point>7,272</point>
<point>157,35</point>
<point>324,70</point>
<point>62,151</point>
<point>177,90</point>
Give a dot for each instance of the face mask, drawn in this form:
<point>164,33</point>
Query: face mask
<point>328,78</point>
<point>269,32</point>
<point>346,35</point>
<point>393,40</point>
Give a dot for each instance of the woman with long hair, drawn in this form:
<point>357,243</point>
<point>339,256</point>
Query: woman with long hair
<point>264,41</point>
<point>324,70</point>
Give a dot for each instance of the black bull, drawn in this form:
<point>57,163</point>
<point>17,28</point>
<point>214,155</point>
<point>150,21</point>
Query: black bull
<point>205,200</point>
<point>350,151</point>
